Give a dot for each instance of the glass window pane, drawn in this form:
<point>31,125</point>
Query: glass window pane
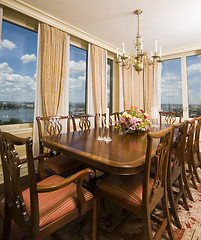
<point>109,83</point>
<point>18,50</point>
<point>171,86</point>
<point>194,85</point>
<point>77,83</point>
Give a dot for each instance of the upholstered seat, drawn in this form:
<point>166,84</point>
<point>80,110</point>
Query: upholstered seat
<point>54,205</point>
<point>61,164</point>
<point>127,188</point>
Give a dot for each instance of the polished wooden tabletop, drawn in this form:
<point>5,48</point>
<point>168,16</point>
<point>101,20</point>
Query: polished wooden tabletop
<point>125,154</point>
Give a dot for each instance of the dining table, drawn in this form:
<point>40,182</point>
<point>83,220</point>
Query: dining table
<point>123,155</point>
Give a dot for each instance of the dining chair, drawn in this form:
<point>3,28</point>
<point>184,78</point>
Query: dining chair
<point>170,117</point>
<point>187,170</point>
<point>84,121</point>
<point>140,193</point>
<point>54,162</point>
<point>43,207</point>
<point>175,185</point>
<point>196,157</point>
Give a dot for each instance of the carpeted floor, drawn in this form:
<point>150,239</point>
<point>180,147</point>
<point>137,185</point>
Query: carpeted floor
<point>112,215</point>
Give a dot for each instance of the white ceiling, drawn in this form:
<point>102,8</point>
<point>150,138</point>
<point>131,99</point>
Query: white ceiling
<point>174,23</point>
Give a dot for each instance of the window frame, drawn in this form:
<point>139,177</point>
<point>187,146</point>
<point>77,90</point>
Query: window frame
<point>183,56</point>
<point>82,46</point>
<point>111,63</point>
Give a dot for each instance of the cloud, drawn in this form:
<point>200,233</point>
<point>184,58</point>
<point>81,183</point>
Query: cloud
<point>28,58</point>
<point>194,68</point>
<point>4,68</point>
<point>77,67</point>
<point>7,44</point>
<point>15,87</point>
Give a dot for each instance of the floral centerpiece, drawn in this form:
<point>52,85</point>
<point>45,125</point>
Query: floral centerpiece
<point>134,120</point>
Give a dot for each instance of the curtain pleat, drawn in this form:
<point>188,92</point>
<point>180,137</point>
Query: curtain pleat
<point>127,87</point>
<point>53,66</point>
<point>99,77</point>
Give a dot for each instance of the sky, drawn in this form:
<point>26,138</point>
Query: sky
<point>18,54</point>
<point>171,83</point>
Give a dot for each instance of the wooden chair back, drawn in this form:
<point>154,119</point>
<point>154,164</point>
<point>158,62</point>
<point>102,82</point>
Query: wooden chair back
<point>197,135</point>
<point>178,148</point>
<point>15,207</point>
<point>160,163</point>
<point>170,117</point>
<point>84,121</point>
<point>12,188</point>
<point>190,136</point>
<point>50,126</point>
<point>113,118</point>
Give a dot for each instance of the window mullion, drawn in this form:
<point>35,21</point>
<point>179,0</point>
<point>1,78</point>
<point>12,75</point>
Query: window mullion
<point>184,88</point>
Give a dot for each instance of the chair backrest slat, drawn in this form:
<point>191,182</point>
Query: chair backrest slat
<point>160,159</point>
<point>170,117</point>
<point>84,121</point>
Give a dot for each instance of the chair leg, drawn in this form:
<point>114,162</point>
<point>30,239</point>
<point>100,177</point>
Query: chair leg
<point>183,195</point>
<point>172,205</point>
<point>186,185</point>
<point>147,225</point>
<point>195,169</point>
<point>191,175</point>
<point>6,224</point>
<point>167,215</point>
<point>95,219</point>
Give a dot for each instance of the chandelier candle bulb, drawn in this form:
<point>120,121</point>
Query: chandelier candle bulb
<point>156,46</point>
<point>117,53</point>
<point>160,51</point>
<point>141,45</point>
<point>123,46</point>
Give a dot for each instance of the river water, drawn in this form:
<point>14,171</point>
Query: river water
<point>25,115</point>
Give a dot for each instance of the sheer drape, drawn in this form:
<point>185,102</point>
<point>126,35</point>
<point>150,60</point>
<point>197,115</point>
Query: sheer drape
<point>99,77</point>
<point>53,65</point>
<point>152,90</point>
<point>127,77</point>
<point>121,95</point>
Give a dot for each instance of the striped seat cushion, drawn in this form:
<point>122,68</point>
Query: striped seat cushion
<point>127,188</point>
<point>53,205</point>
<point>62,163</point>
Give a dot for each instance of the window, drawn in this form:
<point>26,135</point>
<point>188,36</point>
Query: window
<point>77,82</point>
<point>109,83</point>
<point>194,85</point>
<point>171,86</point>
<point>18,50</point>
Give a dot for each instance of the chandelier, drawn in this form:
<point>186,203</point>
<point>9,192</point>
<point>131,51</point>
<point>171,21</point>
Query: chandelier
<point>140,59</point>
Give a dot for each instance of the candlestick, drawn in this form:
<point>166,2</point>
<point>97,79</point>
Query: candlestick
<point>107,118</point>
<point>100,119</point>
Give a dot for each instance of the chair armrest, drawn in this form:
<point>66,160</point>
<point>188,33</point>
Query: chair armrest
<point>78,176</point>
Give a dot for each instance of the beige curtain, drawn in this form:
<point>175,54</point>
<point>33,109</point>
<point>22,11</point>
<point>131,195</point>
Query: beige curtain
<point>53,64</point>
<point>127,87</point>
<point>150,87</point>
<point>99,77</point>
